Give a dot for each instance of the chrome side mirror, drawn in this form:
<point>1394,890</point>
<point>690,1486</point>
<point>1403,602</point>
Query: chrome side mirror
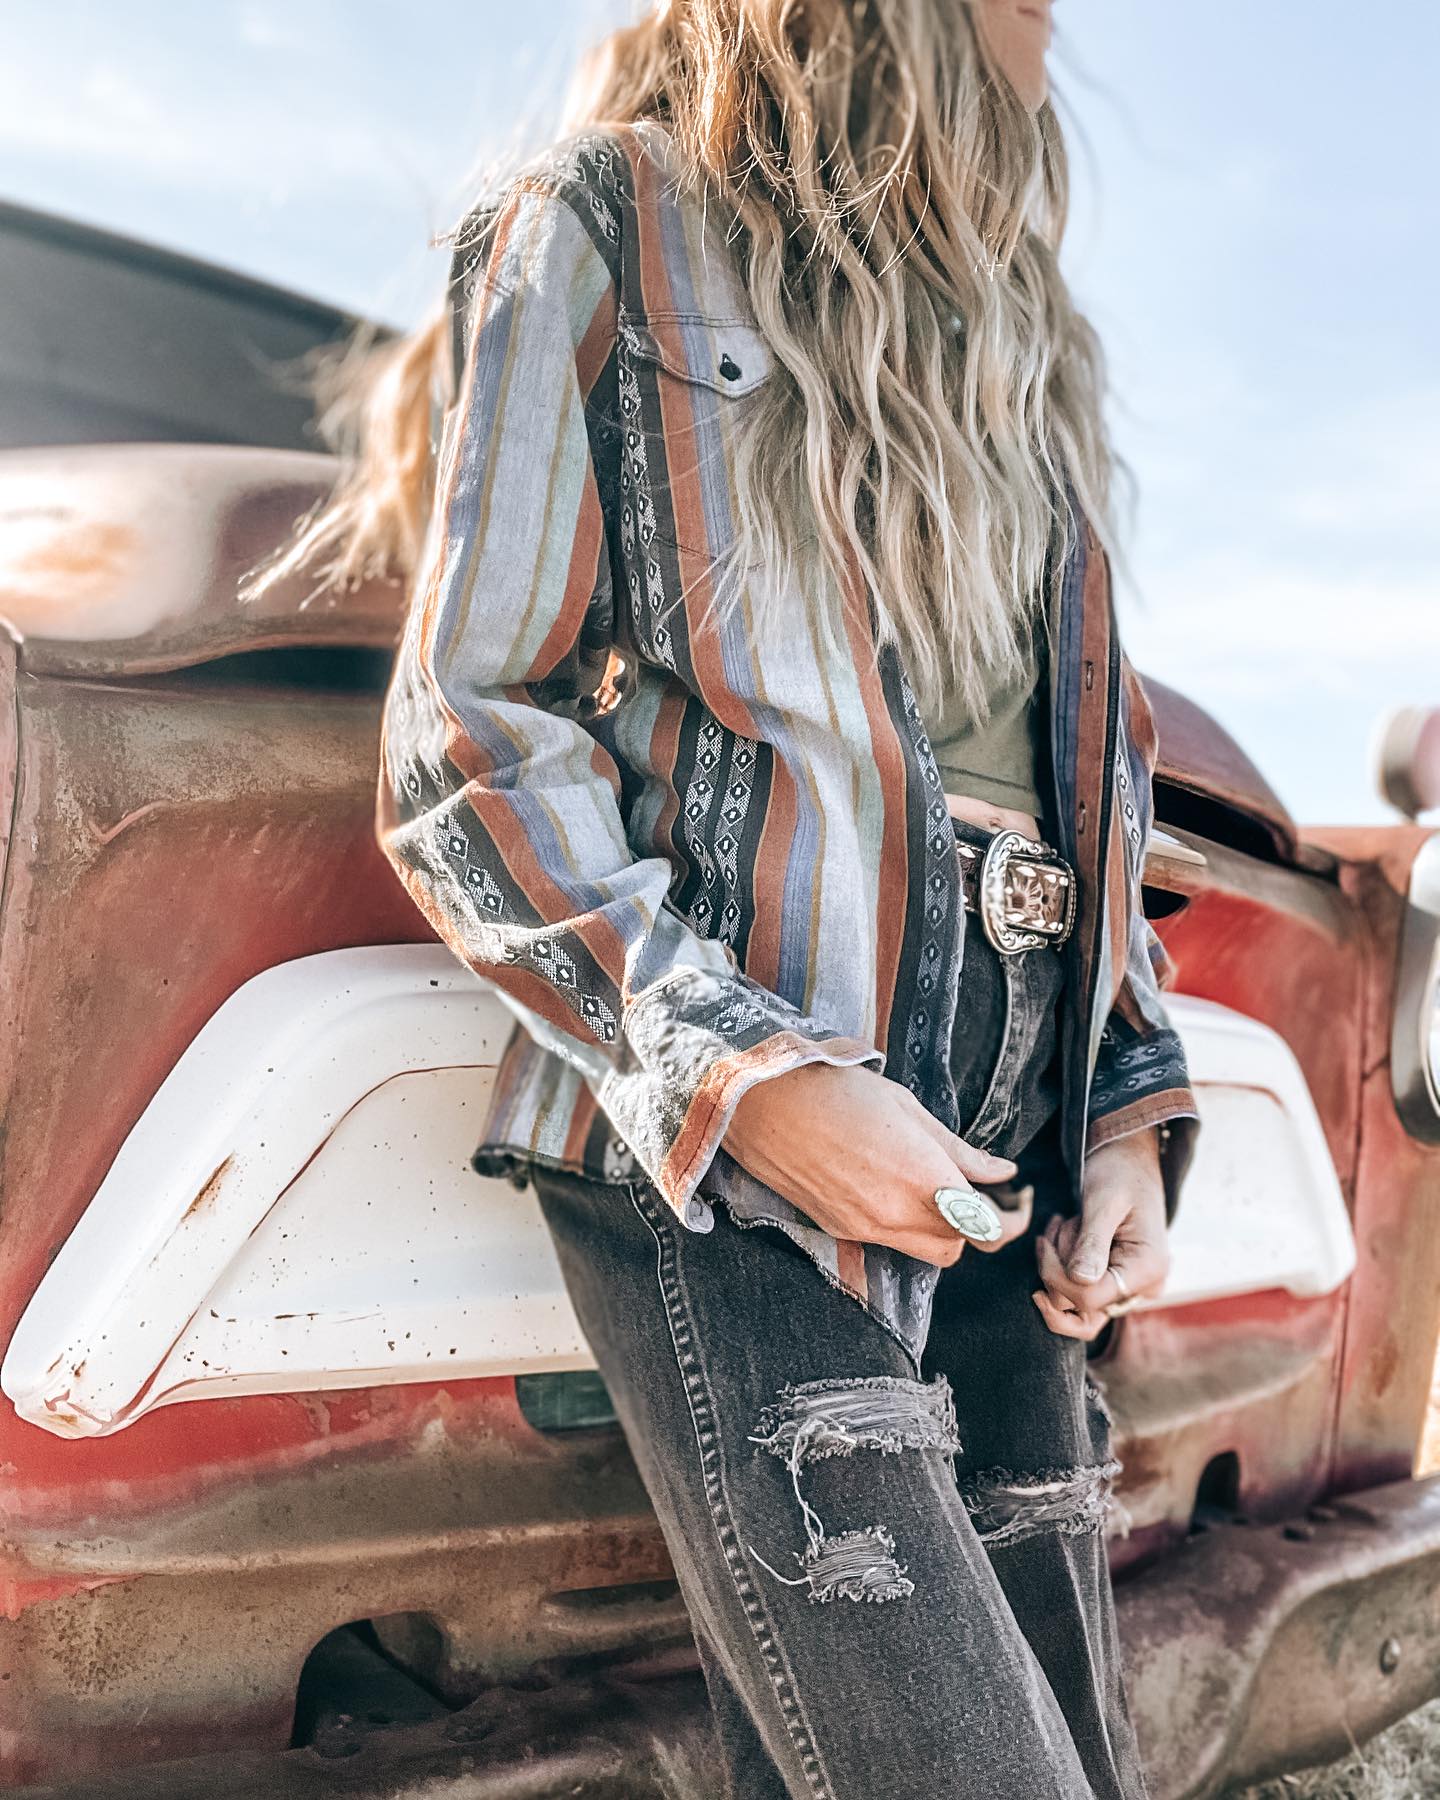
<point>1407,759</point>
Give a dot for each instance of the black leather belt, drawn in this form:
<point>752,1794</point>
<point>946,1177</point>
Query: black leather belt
<point>1023,891</point>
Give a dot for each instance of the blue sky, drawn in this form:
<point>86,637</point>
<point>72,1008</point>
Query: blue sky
<point>1255,233</point>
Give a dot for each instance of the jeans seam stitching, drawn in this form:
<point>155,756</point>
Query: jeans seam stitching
<point>698,1400</point>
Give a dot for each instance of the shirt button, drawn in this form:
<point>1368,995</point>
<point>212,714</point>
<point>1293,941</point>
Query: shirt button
<point>698,1214</point>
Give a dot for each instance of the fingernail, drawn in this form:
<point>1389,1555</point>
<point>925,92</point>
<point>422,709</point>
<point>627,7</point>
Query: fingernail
<point>1084,1270</point>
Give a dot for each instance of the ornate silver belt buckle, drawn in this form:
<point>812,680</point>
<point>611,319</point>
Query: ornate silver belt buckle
<point>1026,894</point>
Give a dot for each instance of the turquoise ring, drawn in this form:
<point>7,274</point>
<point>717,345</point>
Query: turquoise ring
<point>969,1213</point>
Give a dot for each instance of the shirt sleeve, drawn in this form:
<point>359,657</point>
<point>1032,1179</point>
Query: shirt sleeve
<point>497,807</point>
<point>1141,1078</point>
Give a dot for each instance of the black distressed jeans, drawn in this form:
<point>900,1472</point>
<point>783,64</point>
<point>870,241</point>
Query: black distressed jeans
<point>896,1586</point>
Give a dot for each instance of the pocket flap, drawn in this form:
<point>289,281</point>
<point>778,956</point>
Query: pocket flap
<point>729,355</point>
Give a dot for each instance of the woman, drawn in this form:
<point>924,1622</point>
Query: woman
<point>760,730</point>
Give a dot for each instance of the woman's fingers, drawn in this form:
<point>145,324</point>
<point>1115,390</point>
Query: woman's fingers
<point>997,1219</point>
<point>936,1236</point>
<point>974,1163</point>
<point>861,1157</point>
<point>1144,1264</point>
<point>1077,1308</point>
<point>979,1164</point>
<point>934,1213</point>
<point>1088,1296</point>
<point>943,1252</point>
<point>1063,1313</point>
<point>1068,1323</point>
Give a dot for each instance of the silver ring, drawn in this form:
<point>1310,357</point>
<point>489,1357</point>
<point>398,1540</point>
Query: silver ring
<point>1126,1301</point>
<point>969,1213</point>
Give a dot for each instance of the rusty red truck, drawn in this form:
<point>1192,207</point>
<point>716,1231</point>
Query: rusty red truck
<point>307,1484</point>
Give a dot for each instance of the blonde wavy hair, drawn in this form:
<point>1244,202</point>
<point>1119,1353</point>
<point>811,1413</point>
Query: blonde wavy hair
<point>898,213</point>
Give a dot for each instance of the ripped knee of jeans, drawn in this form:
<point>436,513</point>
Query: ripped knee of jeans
<point>818,1419</point>
<point>1007,1508</point>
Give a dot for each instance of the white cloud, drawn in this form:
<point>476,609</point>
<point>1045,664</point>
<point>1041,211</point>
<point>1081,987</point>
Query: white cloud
<point>110,115</point>
<point>1375,470</point>
<point>188,125</point>
<point>1284,629</point>
<point>267,28</point>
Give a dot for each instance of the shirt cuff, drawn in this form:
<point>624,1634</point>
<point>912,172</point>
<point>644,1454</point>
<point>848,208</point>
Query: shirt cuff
<point>697,1042</point>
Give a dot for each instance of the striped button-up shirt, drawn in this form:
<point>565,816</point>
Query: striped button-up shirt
<point>746,863</point>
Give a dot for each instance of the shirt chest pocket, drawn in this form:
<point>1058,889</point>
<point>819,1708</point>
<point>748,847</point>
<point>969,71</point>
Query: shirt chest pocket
<point>690,387</point>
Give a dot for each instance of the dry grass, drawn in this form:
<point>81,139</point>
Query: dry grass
<point>1401,1764</point>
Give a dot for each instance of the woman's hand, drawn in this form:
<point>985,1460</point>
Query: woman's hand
<point>860,1156</point>
<point>1121,1226</point>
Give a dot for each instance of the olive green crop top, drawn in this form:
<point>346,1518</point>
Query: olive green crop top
<point>997,761</point>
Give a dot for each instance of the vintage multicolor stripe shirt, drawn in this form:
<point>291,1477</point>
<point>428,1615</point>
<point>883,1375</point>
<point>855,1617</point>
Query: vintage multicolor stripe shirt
<point>746,864</point>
